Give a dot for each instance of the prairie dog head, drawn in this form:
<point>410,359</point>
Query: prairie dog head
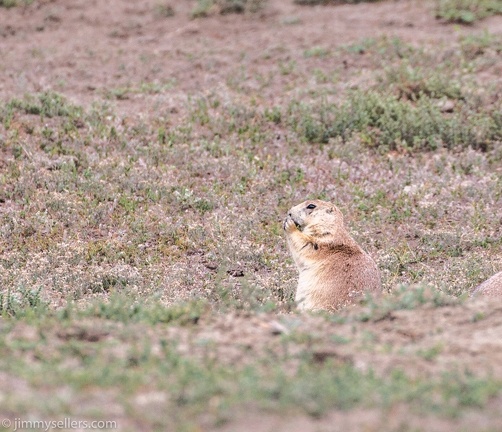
<point>316,217</point>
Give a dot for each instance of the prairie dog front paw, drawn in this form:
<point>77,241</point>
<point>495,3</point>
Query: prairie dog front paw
<point>289,224</point>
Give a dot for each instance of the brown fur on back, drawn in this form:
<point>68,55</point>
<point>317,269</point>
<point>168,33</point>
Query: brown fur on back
<point>333,270</point>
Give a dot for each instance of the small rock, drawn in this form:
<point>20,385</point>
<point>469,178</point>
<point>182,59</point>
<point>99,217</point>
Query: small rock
<point>276,328</point>
<point>446,106</point>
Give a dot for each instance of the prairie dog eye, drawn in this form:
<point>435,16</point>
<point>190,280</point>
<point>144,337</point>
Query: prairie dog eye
<point>311,206</point>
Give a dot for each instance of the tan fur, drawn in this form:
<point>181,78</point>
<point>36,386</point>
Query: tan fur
<point>491,287</point>
<point>333,270</point>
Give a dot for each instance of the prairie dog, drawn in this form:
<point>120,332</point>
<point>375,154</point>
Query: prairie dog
<point>491,287</point>
<point>333,270</point>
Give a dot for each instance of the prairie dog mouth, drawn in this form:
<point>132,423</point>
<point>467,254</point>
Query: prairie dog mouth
<point>297,224</point>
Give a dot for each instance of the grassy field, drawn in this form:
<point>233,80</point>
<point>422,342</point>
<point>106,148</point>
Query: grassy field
<point>144,275</point>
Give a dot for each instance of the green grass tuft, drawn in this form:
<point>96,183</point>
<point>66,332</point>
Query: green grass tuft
<point>120,308</point>
<point>22,303</point>
<point>45,105</point>
<point>389,123</point>
<point>13,3</point>
<point>205,8</point>
<point>467,11</point>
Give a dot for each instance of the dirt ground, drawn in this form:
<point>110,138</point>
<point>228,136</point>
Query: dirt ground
<point>426,342</point>
<point>84,49</point>
<point>95,51</point>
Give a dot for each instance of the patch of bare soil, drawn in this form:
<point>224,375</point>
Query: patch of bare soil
<point>424,342</point>
<point>85,49</point>
<point>367,420</point>
<point>428,342</point>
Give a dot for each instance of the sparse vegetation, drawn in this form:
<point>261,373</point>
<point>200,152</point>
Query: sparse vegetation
<point>392,123</point>
<point>164,10</point>
<point>207,7</point>
<point>466,11</point>
<point>451,11</point>
<point>316,382</point>
<point>13,3</point>
<point>334,2</point>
